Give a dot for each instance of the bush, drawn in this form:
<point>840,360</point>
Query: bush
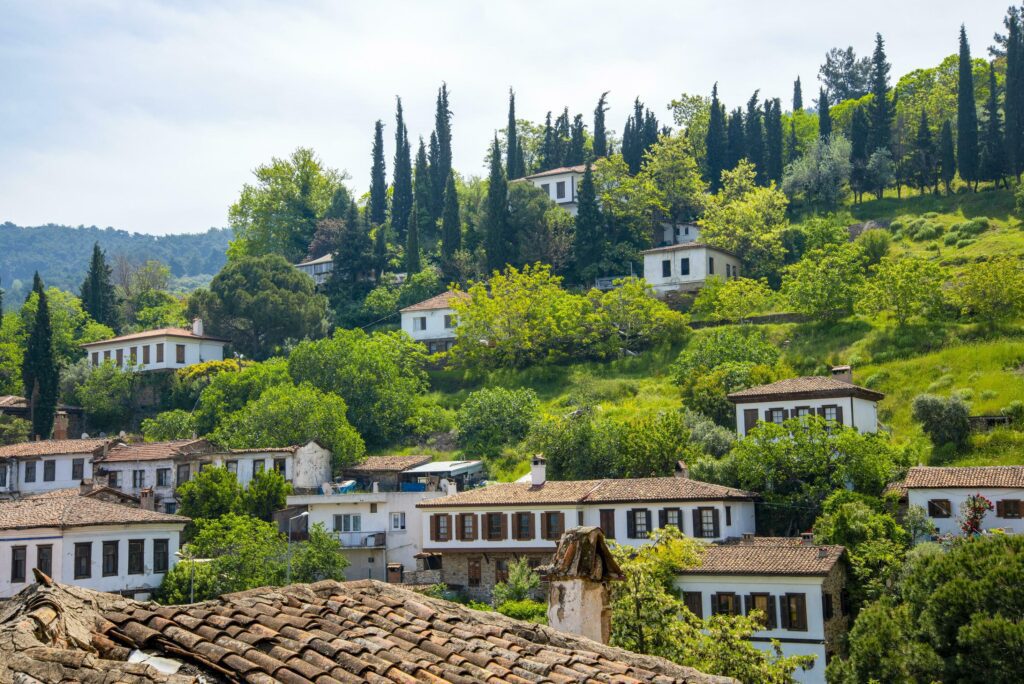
<point>1019,206</point>
<point>169,425</point>
<point>945,421</point>
<point>521,582</point>
<point>527,610</point>
<point>491,418</point>
<point>874,245</point>
<point>1015,412</point>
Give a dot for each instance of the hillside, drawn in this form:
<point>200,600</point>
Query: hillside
<point>61,254</point>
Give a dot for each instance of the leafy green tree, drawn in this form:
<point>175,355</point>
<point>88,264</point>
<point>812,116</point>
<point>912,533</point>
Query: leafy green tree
<point>577,137</point>
<point>13,429</point>
<point>718,346</point>
<point>880,107</point>
<point>944,420</point>
<point>377,378</point>
<point>924,162</point>
<point>213,492</point>
<point>628,204</point>
<point>491,418</point>
<point>632,319</point>
<point>514,167</point>
<point>823,285</point>
<point>639,134</point>
<point>401,184</point>
<point>859,154</point>
<point>320,557</point>
<point>753,132</point>
<point>576,446</point>
<point>354,262</point>
<point>520,585</point>
<point>70,326</point>
<point>708,394</point>
<point>844,75</point>
<point>39,372</point>
<point>412,240</point>
<point>600,139</point>
<point>169,425</point>
<point>671,168</point>
<point>734,300</point>
<point>993,165</point>
<point>773,140</point>
<point>188,579</point>
<point>378,206</point>
<point>651,445</point>
<point>230,391</point>
<point>824,116</point>
<point>259,303</point>
<point>991,292</point>
<point>947,156</point>
<point>285,415</point>
<point>278,214</point>
<point>966,117</point>
<point>267,492</point>
<point>246,551</point>
<point>499,241</point>
<point>903,288</point>
<point>821,174</point>
<point>1013,102</point>
<point>98,297</point>
<point>798,96</point>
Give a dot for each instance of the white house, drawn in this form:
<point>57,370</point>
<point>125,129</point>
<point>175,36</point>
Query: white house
<point>561,185</point>
<point>304,466</point>
<point>686,266</point>
<point>160,349</point>
<point>318,269</point>
<point>942,490</point>
<point>478,532</point>
<point>799,585</point>
<point>668,233</point>
<point>86,541</point>
<point>833,398</point>
<point>432,321</point>
<point>42,466</point>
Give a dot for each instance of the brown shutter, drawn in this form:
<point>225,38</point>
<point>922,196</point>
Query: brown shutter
<point>504,526</point>
<point>561,524</point>
<point>1000,509</point>
<point>714,522</point>
<point>448,536</point>
<point>696,523</point>
<point>533,527</point>
<point>476,528</point>
<point>544,525</point>
<point>801,611</point>
<point>458,526</point>
<point>749,419</point>
<point>631,523</point>
<point>433,527</point>
<point>662,517</point>
<point>839,415</point>
<point>784,610</point>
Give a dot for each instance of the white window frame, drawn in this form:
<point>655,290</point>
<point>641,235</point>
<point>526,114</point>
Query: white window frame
<point>348,522</point>
<point>398,520</point>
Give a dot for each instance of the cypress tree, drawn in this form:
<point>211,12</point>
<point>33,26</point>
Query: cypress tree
<point>378,181</point>
<point>924,155</point>
<point>497,241</point>
<point>714,142</point>
<point>562,138</point>
<point>355,260</point>
<point>736,143</point>
<point>451,224</point>
<point>514,166</point>
<point>773,139</point>
<point>859,152</point>
<point>39,369</point>
<point>824,115</point>
<point>37,286</point>
<point>433,159</point>
<point>98,297</point>
<point>640,133</point>
<point>880,110</point>
<point>441,164</point>
<point>754,132</point>
<point>947,156</point>
<point>589,237</point>
<point>401,191</point>
<point>577,137</point>
<point>1013,97</point>
<point>966,117</point>
<point>412,241</point>
<point>548,150</point>
<point>993,154</point>
<point>422,187</point>
<point>792,144</point>
<point>380,249</point>
<point>798,96</point>
<point>600,141</point>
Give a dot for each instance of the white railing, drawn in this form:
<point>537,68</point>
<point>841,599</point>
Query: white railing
<point>362,540</point>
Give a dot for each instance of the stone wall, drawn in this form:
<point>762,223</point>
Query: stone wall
<point>836,628</point>
<point>455,571</point>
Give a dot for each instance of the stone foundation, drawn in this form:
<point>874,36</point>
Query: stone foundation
<point>455,572</point>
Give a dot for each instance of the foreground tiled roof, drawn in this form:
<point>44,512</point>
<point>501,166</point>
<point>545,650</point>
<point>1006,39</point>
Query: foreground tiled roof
<point>768,556</point>
<point>76,511</point>
<point>157,451</point>
<point>590,491</point>
<point>389,463</point>
<point>925,477</point>
<point>441,301</point>
<point>159,332</point>
<point>52,447</point>
<point>687,245</point>
<point>328,632</point>
<point>808,387</point>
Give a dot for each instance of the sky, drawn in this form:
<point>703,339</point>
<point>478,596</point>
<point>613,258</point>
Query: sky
<point>150,116</point>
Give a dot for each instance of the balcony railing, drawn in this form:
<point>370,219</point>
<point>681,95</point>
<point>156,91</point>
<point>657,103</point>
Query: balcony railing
<point>362,540</point>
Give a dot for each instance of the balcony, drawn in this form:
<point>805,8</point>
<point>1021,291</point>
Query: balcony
<point>362,540</point>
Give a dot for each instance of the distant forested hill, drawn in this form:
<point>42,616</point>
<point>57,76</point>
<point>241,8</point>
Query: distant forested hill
<point>61,254</point>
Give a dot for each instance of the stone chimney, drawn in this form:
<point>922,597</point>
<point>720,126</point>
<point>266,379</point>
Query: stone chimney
<point>147,499</point>
<point>538,470</point>
<point>843,373</point>
<point>806,537</point>
<point>86,486</point>
<point>748,537</point>
<point>682,470</point>
<point>579,573</point>
<point>197,326</point>
<point>60,425</point>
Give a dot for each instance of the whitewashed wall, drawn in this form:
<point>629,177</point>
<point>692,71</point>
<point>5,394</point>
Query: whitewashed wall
<point>859,413</point>
<point>435,329</point>
<point>62,473</point>
<point>196,351</point>
<point>699,266</point>
<point>956,496</point>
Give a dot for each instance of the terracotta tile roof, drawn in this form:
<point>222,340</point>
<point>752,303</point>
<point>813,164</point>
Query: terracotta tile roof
<point>52,447</point>
<point>687,245</point>
<point>12,400</point>
<point>319,260</point>
<point>590,491</point>
<point>768,556</point>
<point>578,168</point>
<point>76,511</point>
<point>441,301</point>
<point>389,464</point>
<point>158,332</point>
<point>157,451</point>
<point>807,387</point>
<point>328,632</point>
<point>97,491</point>
<point>926,477</point>
<point>267,450</point>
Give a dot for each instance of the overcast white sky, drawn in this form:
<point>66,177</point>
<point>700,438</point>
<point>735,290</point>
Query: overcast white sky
<point>149,116</point>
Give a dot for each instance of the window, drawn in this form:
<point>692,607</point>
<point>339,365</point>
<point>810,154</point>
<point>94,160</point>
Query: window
<point>19,556</point>
<point>728,270</point>
<point>160,352</point>
<point>161,555</point>
<point>473,572</point>
<point>724,604</point>
<point>608,522</point>
<point>802,411</point>
<point>179,353</point>
<point>106,355</point>
<point>1008,508</point>
<point>524,526</point>
<point>184,473</point>
<point>467,526</point>
<point>30,471</point>
<point>560,190</point>
<point>666,268</point>
<point>684,266</point>
<point>443,532</point>
<point>44,559</point>
<point>398,521</point>
<point>641,523</point>
<point>728,515</point>
<point>419,323</point>
<point>281,466</point>
<point>776,416</point>
<point>114,479</point>
<point>120,357</point>
<point>49,471</point>
<point>765,604</point>
<point>136,556</point>
<point>145,354</point>
<point>232,467</point>
<point>138,479</point>
<point>826,606</point>
<point>711,265</point>
<point>163,477</point>
<point>495,526</point>
<point>77,468</point>
<point>672,516</point>
<point>3,476</point>
<point>686,230</point>
<point>500,571</point>
<point>257,467</point>
<point>546,187</point>
<point>348,522</point>
<point>373,508</point>
<point>83,560</point>
<point>940,508</point>
<point>829,413</point>
<point>133,355</point>
<point>109,558</point>
<point>553,523</point>
<point>95,358</point>
<point>449,322</point>
<point>705,523</point>
<point>171,507</point>
<point>694,602</point>
<point>794,612</point>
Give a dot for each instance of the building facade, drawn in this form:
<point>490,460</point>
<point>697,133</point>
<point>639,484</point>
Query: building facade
<point>432,321</point>
<point>942,491</point>
<point>685,267</point>
<point>161,349</point>
<point>561,185</point>
<point>43,466</point>
<point>318,269</point>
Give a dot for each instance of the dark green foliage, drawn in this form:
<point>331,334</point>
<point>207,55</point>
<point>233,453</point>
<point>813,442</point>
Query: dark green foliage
<point>441,160</point>
<point>993,153</point>
<point>600,141</point>
<point>401,190</point>
<point>498,241</point>
<point>378,206</point>
<point>489,419</point>
<point>1013,105</point>
<point>715,142</point>
<point>577,137</point>
<point>824,115</point>
<point>925,163</point>
<point>845,76</point>
<point>947,156</point>
<point>859,155</point>
<point>561,140</point>
<point>354,261</point>
<point>98,297</point>
<point>451,224</point>
<point>423,184</point>
<point>966,117</point>
<point>267,492</point>
<point>589,239</point>
<point>514,164</point>
<point>549,149</point>
<point>773,140</point>
<point>736,144</point>
<point>13,430</point>
<point>211,493</point>
<point>944,420</point>
<point>880,110</point>
<point>798,96</point>
<point>640,133</point>
<point>39,372</point>
<point>753,135</point>
<point>412,238</point>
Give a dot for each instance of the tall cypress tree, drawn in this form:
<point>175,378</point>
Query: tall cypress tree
<point>589,237</point>
<point>423,184</point>
<point>39,373</point>
<point>98,297</point>
<point>562,137</point>
<point>824,115</point>
<point>401,191</point>
<point>412,241</point>
<point>548,149</point>
<point>714,142</point>
<point>451,224</point>
<point>798,96</point>
<point>497,241</point>
<point>947,156</point>
<point>966,117</point>
<point>1013,96</point>
<point>378,180</point>
<point>514,166</point>
<point>640,133</point>
<point>380,249</point>
<point>880,110</point>
<point>600,140</point>
<point>924,155</point>
<point>736,144</point>
<point>754,132</point>
<point>773,139</point>
<point>577,137</point>
<point>441,165</point>
<point>993,153</point>
<point>37,286</point>
<point>859,132</point>
<point>792,143</point>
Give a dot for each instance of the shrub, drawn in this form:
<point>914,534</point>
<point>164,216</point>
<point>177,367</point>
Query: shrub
<point>874,245</point>
<point>527,610</point>
<point>521,582</point>
<point>1014,411</point>
<point>169,425</point>
<point>493,417</point>
<point>930,215</point>
<point>951,238</point>
<point>964,243</point>
<point>945,421</point>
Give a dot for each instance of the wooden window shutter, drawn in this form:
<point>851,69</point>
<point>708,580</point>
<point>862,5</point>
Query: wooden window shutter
<point>820,411</point>
<point>767,415</point>
<point>561,524</point>
<point>772,612</point>
<point>544,525</point>
<point>458,526</point>
<point>662,517</point>
<point>714,521</point>
<point>801,612</point>
<point>1000,509</point>
<point>631,523</point>
<point>696,523</point>
<point>448,532</point>
<point>714,604</point>
<point>533,527</point>
<point>784,611</point>
<point>475,532</point>
<point>433,527</point>
<point>785,414</point>
<point>839,415</point>
<point>647,514</point>
<point>504,525</point>
<point>749,419</point>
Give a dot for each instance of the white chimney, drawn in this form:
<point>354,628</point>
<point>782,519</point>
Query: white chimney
<point>843,373</point>
<point>197,326</point>
<point>538,470</point>
<point>579,573</point>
